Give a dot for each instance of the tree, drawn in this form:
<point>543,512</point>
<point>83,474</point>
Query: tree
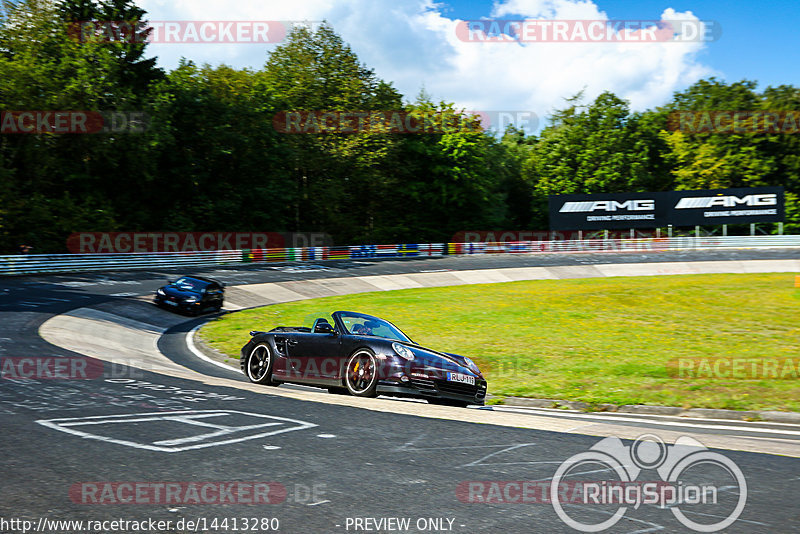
<point>336,175</point>
<point>591,149</point>
<point>716,160</point>
<point>220,161</point>
<point>127,46</point>
<point>449,179</point>
<point>44,67</point>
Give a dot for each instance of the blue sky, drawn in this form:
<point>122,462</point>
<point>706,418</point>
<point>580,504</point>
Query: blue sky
<point>760,40</point>
<point>414,44</point>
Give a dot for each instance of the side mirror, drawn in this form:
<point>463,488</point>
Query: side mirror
<point>324,328</point>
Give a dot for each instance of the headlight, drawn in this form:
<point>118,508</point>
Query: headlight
<point>190,300</point>
<point>472,365</point>
<point>403,351</point>
<point>161,292</point>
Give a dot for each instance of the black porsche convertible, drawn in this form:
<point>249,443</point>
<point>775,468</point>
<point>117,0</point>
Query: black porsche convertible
<point>349,352</point>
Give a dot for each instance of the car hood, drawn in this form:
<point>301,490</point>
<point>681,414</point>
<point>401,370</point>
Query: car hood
<point>180,294</point>
<point>429,360</point>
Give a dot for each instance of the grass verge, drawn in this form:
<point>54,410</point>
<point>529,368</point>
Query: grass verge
<point>597,340</point>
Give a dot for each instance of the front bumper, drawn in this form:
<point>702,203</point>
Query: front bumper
<point>178,305</point>
<point>435,388</point>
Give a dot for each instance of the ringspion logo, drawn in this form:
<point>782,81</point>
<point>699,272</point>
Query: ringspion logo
<point>704,490</point>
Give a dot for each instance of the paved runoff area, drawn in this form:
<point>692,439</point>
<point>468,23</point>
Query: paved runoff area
<point>115,415</point>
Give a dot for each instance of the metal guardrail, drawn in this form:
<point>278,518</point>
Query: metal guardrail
<point>623,245</point>
<point>59,263</point>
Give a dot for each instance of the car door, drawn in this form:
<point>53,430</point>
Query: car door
<point>314,357</point>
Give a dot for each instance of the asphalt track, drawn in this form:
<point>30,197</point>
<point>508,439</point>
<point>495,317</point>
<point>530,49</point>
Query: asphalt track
<point>336,462</point>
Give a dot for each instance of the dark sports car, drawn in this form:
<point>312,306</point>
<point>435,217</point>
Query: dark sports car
<point>362,355</point>
<point>192,295</point>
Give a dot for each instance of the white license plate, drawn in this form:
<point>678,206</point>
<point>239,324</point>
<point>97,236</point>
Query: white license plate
<point>171,303</point>
<point>464,379</point>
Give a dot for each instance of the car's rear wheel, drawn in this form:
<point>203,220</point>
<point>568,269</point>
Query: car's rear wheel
<point>259,365</point>
<point>361,374</point>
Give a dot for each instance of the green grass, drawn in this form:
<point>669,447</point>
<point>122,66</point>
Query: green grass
<point>595,340</point>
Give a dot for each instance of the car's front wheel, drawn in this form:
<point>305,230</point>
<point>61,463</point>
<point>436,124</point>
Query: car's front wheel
<point>361,374</point>
<point>259,365</point>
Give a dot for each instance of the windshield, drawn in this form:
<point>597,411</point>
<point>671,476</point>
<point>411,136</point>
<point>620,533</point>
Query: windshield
<point>190,284</point>
<point>365,325</point>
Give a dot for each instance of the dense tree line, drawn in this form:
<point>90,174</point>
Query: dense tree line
<point>211,159</point>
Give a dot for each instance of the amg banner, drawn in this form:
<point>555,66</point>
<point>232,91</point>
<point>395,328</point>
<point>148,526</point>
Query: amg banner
<point>726,206</point>
<point>676,208</point>
<point>607,211</point>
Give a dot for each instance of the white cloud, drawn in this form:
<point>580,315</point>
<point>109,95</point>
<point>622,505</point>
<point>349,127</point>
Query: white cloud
<point>413,43</point>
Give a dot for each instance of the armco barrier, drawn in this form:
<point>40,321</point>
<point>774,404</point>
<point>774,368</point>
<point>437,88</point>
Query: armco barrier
<point>56,263</point>
<point>623,245</point>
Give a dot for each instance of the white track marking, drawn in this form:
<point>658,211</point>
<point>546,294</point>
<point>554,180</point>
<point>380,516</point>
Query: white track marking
<point>181,417</point>
<point>479,461</point>
<point>196,351</point>
<point>681,424</point>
